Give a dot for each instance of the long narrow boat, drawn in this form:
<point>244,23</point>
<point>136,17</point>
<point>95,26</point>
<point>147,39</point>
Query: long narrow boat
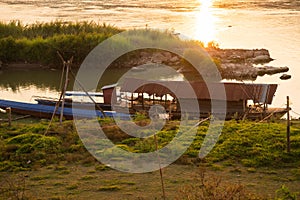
<point>45,111</point>
<point>69,103</point>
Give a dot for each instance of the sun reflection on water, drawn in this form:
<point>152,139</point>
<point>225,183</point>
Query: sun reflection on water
<point>205,29</point>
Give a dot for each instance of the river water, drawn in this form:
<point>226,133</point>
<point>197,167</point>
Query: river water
<point>270,24</point>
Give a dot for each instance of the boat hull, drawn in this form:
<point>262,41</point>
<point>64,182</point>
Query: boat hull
<point>46,111</point>
<point>70,104</point>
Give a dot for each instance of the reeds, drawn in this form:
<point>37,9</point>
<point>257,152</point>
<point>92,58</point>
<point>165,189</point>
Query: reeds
<point>38,43</point>
<point>17,30</point>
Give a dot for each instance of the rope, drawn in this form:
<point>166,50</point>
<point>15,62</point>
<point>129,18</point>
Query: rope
<point>81,86</point>
<point>267,117</point>
<point>295,112</point>
<point>245,91</point>
<point>271,114</point>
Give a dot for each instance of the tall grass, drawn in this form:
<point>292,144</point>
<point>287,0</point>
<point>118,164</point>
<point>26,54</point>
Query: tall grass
<point>38,43</point>
<point>18,30</point>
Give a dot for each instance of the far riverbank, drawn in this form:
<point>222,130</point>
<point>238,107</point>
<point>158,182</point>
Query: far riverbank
<point>37,45</point>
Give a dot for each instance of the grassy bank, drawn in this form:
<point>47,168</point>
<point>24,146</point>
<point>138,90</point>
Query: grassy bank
<point>249,153</point>
<point>38,43</point>
<point>248,144</point>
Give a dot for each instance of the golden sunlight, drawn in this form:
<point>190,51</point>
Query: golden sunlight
<point>205,22</point>
<point>206,3</point>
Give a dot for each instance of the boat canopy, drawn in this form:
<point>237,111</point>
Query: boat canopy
<point>259,93</point>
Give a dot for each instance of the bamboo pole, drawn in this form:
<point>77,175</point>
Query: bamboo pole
<point>160,169</point>
<point>64,91</point>
<point>61,94</point>
<point>288,124</point>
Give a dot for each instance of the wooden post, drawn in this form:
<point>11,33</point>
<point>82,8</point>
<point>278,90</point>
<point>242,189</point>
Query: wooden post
<point>131,100</point>
<point>166,101</point>
<point>288,124</point>
<point>143,105</point>
<point>8,111</point>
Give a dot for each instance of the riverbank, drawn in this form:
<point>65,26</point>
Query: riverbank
<point>36,46</point>
<point>56,164</point>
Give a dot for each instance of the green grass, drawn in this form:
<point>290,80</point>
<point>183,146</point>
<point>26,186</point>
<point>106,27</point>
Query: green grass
<point>245,143</point>
<point>109,188</point>
<point>250,152</point>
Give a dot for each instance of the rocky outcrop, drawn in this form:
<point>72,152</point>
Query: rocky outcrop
<point>239,64</point>
<point>269,70</point>
<point>238,71</point>
<point>258,56</point>
<point>285,77</point>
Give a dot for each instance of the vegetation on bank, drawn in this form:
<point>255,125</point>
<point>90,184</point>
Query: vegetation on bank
<point>241,143</point>
<point>255,146</point>
<point>39,43</point>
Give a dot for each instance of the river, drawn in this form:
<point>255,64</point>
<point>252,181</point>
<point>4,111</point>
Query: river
<point>248,24</point>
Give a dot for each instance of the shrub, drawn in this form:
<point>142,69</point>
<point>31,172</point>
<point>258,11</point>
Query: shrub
<point>212,187</point>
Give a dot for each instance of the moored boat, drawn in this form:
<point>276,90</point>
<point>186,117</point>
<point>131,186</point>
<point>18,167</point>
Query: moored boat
<point>70,103</point>
<point>241,100</point>
<point>46,111</point>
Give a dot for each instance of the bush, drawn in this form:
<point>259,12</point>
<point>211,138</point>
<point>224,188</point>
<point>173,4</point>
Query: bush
<point>212,187</point>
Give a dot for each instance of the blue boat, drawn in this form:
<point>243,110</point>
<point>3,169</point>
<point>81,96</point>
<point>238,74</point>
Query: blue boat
<point>46,111</point>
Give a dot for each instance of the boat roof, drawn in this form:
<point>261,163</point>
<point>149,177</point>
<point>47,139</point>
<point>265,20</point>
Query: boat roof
<point>259,93</point>
<point>109,86</point>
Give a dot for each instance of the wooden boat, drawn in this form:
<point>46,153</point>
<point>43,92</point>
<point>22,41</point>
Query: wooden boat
<point>69,103</point>
<point>46,111</point>
<point>81,99</point>
<point>243,100</point>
